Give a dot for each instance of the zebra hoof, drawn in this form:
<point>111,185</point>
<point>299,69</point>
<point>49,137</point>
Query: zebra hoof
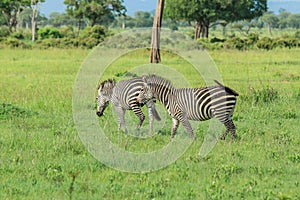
<point>223,137</point>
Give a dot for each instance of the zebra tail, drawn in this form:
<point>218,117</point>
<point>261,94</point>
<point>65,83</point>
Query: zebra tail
<point>155,114</point>
<point>227,89</point>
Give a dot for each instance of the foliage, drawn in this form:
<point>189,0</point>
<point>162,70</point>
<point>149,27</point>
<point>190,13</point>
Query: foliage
<point>265,43</point>
<point>96,11</point>
<point>235,43</point>
<point>213,10</point>
<point>58,20</point>
<point>252,41</point>
<point>4,31</point>
<point>49,32</point>
<point>16,43</point>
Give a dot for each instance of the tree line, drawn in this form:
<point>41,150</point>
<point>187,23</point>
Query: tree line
<point>242,15</point>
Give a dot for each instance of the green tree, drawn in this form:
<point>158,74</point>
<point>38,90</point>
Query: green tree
<point>57,19</point>
<point>94,10</point>
<point>271,20</point>
<point>143,19</point>
<point>11,10</point>
<point>206,13</point>
<point>294,21</point>
<point>76,9</point>
<point>34,4</point>
<point>283,18</point>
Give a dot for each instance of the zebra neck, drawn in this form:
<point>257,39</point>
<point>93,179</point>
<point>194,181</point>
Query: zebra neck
<point>163,94</point>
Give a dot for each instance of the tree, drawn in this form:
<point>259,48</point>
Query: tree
<point>283,18</point>
<point>155,42</point>
<point>24,19</point>
<point>271,20</point>
<point>35,13</point>
<point>94,10</point>
<point>294,21</point>
<point>97,9</point>
<point>143,19</point>
<point>76,9</point>
<point>11,10</point>
<point>207,13</point>
<point>57,19</point>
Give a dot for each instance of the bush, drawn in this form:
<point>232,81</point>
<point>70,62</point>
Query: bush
<point>286,42</point>
<point>297,34</point>
<point>18,35</point>
<point>4,31</point>
<point>15,43</point>
<point>95,32</point>
<point>265,43</point>
<point>48,32</point>
<point>235,43</point>
<point>208,44</point>
<point>68,31</point>
<point>252,38</point>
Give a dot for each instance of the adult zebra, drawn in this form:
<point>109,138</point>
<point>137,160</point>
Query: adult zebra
<point>123,97</point>
<point>184,104</point>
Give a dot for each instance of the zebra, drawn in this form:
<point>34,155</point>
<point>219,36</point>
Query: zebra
<point>198,104</point>
<point>123,97</point>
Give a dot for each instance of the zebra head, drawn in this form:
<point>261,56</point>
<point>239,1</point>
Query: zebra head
<point>105,90</point>
<point>145,94</point>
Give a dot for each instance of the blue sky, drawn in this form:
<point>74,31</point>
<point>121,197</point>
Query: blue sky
<point>148,5</point>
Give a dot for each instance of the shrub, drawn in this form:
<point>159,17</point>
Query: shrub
<point>265,43</point>
<point>68,31</point>
<point>18,35</point>
<point>286,42</point>
<point>96,32</point>
<point>15,43</point>
<point>50,42</point>
<point>252,38</point>
<point>235,43</point>
<point>208,44</point>
<point>297,34</point>
<point>49,32</point>
<point>4,31</point>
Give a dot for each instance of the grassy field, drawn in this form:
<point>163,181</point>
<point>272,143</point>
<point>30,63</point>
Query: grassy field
<point>42,156</point>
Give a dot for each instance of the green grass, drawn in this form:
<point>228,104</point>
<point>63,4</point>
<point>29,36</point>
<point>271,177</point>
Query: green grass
<point>42,157</point>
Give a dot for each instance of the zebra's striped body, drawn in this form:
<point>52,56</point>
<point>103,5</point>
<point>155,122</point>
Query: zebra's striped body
<point>123,97</point>
<point>197,104</point>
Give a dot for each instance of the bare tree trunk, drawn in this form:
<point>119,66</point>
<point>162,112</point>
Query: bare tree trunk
<point>269,28</point>
<point>205,29</point>
<point>197,31</point>
<point>79,25</point>
<point>155,42</point>
<point>35,12</point>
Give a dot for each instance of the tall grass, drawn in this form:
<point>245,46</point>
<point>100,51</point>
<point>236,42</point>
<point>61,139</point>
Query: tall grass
<point>43,157</point>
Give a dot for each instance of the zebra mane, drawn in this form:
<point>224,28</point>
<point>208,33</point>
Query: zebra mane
<point>154,80</point>
<point>108,84</point>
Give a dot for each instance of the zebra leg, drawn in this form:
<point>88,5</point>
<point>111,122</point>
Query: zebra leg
<point>138,112</point>
<point>230,127</point>
<point>121,120</point>
<point>150,115</point>
<point>175,124</point>
<point>185,122</point>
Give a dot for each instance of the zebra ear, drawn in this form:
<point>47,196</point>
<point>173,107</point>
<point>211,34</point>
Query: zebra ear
<point>144,78</point>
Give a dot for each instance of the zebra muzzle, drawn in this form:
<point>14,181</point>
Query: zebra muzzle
<point>139,100</point>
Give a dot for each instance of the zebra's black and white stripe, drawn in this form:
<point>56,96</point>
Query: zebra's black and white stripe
<point>184,104</point>
<point>123,97</point>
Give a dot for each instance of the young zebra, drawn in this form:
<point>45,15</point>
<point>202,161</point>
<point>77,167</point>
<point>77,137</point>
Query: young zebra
<point>123,97</point>
<point>184,104</point>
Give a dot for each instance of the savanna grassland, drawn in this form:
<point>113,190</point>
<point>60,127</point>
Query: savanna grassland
<point>42,156</point>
